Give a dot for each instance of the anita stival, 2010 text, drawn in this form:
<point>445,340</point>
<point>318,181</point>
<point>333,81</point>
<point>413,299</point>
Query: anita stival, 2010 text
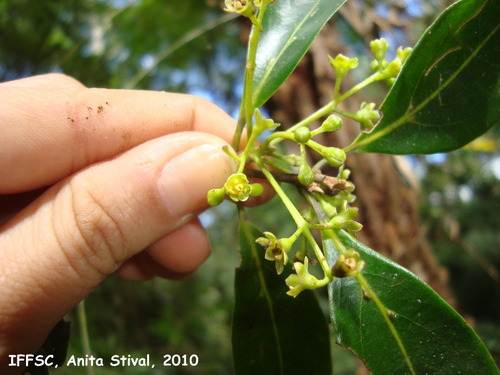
<point>169,360</point>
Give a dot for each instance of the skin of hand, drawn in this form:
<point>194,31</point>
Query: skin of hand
<point>96,181</point>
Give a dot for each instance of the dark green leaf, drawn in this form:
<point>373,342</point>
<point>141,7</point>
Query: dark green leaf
<point>436,339</point>
<point>289,28</point>
<point>274,333</point>
<point>448,91</point>
<point>55,345</point>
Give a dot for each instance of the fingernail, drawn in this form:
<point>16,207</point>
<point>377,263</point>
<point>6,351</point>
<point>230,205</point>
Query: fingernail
<point>186,179</point>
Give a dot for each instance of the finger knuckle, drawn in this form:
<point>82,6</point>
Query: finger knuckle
<point>100,239</point>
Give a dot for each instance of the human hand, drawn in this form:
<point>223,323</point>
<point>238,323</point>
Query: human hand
<point>114,172</point>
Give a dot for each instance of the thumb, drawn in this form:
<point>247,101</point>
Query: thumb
<point>62,246</point>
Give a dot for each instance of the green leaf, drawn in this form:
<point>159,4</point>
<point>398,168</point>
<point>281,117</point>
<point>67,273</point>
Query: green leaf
<point>448,91</point>
<point>289,28</point>
<point>274,333</point>
<point>426,330</point>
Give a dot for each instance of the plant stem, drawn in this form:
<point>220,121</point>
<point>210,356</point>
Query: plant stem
<point>296,216</point>
<point>239,127</point>
<point>82,321</point>
<point>323,111</point>
<point>299,221</point>
<point>247,105</point>
<point>358,87</point>
<point>244,156</point>
<point>281,135</point>
<point>331,106</point>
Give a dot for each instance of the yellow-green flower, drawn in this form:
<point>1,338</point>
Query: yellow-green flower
<point>262,123</point>
<point>402,54</point>
<point>366,115</point>
<point>343,64</point>
<point>379,48</point>
<point>348,264</point>
<point>276,249</point>
<point>302,280</point>
<point>243,7</point>
<point>239,189</point>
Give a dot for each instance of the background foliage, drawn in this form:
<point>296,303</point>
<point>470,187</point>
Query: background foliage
<point>112,43</point>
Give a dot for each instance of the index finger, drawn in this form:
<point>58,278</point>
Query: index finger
<point>48,133</point>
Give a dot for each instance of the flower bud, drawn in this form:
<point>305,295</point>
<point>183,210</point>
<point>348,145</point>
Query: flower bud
<point>257,190</point>
<point>391,71</point>
<point>334,156</point>
<point>403,54</point>
<point>340,222</point>
<point>345,220</point>
<point>379,48</point>
<point>302,135</point>
<point>306,175</point>
<point>216,196</point>
<point>345,174</point>
<point>374,65</point>
<point>332,123</point>
<point>343,64</point>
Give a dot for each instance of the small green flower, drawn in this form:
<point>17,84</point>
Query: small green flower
<point>366,115</point>
<point>348,264</point>
<point>343,64</point>
<point>402,54</point>
<point>389,71</point>
<point>239,189</point>
<point>346,220</point>
<point>262,123</point>
<point>243,7</point>
<point>302,280</point>
<point>276,249</point>
<point>379,48</point>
